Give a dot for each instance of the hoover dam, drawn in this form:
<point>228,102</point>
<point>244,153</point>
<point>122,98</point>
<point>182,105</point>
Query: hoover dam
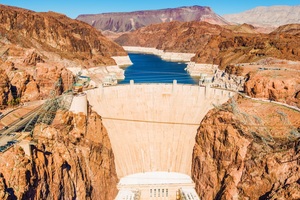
<point>152,129</point>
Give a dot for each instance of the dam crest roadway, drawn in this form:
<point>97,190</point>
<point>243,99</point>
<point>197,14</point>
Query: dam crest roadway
<point>152,127</point>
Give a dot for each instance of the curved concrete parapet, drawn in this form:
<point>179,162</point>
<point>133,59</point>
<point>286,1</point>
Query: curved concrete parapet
<point>79,104</point>
<point>152,127</point>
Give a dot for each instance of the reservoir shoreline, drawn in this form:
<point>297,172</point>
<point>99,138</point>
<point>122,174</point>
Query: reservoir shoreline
<point>169,56</point>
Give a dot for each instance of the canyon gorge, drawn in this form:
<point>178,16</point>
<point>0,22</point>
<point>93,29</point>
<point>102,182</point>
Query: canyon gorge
<point>223,143</point>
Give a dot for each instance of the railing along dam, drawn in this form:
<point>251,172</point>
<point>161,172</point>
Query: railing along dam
<point>152,127</point>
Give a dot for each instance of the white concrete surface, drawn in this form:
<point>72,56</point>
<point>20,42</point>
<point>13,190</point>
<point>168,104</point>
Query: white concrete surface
<point>98,74</point>
<point>150,178</point>
<point>152,127</point>
<point>26,146</point>
<point>79,104</point>
<point>195,69</point>
<point>172,56</point>
<point>117,71</point>
<point>122,60</point>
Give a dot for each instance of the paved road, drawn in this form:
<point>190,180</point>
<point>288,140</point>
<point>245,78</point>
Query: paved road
<point>20,123</point>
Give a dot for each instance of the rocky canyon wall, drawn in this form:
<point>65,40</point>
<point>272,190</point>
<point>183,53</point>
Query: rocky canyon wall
<point>282,86</point>
<point>36,48</point>
<point>70,160</point>
<point>248,150</point>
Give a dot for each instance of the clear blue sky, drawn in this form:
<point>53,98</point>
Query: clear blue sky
<point>73,8</point>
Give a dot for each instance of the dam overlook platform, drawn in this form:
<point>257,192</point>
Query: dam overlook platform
<point>152,127</point>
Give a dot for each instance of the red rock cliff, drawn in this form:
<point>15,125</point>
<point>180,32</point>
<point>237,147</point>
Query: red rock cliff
<point>282,86</point>
<point>248,150</point>
<point>36,48</point>
<point>70,161</point>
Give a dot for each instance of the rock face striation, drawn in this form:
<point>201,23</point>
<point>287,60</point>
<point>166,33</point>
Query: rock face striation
<point>248,150</point>
<point>124,22</point>
<point>267,16</point>
<point>70,160</point>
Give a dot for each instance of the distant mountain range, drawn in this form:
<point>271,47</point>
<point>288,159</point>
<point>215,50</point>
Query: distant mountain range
<point>272,16</point>
<point>267,16</point>
<point>129,21</point>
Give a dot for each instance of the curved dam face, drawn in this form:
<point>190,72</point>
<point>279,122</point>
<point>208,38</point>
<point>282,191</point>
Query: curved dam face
<point>152,127</point>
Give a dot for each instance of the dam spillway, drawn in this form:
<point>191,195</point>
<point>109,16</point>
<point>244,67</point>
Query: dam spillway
<point>152,127</point>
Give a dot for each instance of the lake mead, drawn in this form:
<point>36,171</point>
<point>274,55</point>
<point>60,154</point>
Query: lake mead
<point>148,68</point>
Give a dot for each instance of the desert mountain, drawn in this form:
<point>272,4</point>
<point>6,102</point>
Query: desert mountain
<point>53,32</point>
<point>185,37</point>
<point>267,16</point>
<point>36,48</point>
<point>216,44</point>
<point>129,21</point>
<point>289,29</point>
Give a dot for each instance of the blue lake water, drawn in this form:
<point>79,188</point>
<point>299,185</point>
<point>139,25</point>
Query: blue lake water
<point>148,68</point>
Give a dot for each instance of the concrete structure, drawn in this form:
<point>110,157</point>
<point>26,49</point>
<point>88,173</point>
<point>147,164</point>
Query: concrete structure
<point>153,127</point>
<point>172,56</point>
<point>26,146</point>
<point>79,104</point>
<point>156,185</point>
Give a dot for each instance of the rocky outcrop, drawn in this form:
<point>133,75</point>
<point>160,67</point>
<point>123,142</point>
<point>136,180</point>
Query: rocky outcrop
<point>71,160</point>
<point>275,85</point>
<point>223,79</point>
<point>129,21</point>
<point>287,30</point>
<point>52,78</point>
<point>5,93</point>
<point>243,153</point>
<point>33,58</point>
<point>267,16</point>
<point>226,49</point>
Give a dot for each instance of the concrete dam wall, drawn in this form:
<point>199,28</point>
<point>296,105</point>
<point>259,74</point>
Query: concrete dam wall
<point>152,127</point>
